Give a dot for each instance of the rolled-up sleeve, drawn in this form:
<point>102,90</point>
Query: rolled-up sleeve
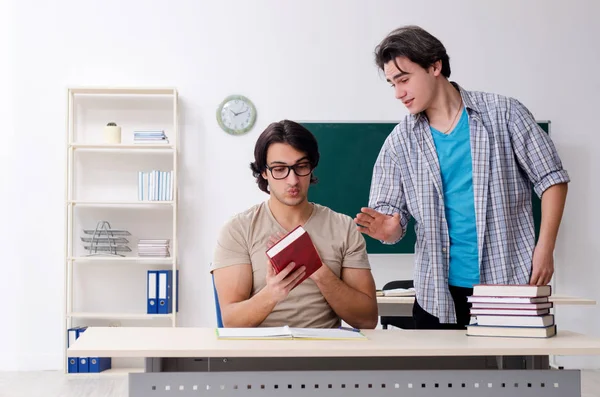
<point>534,149</point>
<point>386,193</point>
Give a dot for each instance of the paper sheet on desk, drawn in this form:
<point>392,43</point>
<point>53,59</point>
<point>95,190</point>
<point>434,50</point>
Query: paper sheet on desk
<point>399,292</point>
<point>288,333</point>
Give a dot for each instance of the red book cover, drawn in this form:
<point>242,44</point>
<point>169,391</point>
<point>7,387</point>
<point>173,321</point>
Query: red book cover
<point>297,247</point>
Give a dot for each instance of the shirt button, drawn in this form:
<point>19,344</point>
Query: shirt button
<point>443,249</point>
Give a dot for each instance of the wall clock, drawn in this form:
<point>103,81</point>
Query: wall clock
<point>236,114</point>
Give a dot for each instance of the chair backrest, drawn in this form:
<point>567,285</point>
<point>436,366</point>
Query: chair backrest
<point>217,306</point>
<point>405,322</point>
<point>399,284</point>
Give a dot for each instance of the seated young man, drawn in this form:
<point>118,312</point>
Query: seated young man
<point>250,293</point>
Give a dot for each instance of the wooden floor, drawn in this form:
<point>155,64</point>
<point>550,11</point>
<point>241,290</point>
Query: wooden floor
<point>56,384</point>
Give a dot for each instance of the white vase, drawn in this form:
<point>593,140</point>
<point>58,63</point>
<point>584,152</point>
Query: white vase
<point>112,134</point>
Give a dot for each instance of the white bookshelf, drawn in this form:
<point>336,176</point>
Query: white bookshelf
<point>89,203</point>
<point>120,316</point>
<point>102,185</point>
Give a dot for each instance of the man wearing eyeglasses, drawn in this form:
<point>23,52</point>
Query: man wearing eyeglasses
<point>250,293</point>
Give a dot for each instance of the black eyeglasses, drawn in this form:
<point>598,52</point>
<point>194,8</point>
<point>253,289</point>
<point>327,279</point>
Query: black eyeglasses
<point>282,171</point>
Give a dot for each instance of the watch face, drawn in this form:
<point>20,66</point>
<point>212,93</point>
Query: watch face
<point>236,115</point>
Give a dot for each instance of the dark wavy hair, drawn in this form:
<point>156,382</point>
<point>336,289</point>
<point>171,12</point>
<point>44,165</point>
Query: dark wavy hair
<point>288,132</point>
<point>414,43</point>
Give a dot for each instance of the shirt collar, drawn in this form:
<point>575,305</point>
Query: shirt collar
<point>467,100</point>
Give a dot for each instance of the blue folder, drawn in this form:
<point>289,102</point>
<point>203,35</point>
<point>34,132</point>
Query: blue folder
<point>83,364</point>
<point>165,291</point>
<point>72,334</point>
<point>152,292</point>
<point>99,364</point>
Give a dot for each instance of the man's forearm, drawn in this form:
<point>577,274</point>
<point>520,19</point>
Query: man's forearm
<point>249,313</point>
<point>354,307</point>
<point>553,204</point>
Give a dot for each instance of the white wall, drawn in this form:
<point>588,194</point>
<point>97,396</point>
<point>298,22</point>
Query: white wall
<point>309,60</point>
<point>9,273</point>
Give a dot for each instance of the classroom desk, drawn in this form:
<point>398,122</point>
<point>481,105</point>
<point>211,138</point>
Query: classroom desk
<point>402,305</point>
<point>375,367</point>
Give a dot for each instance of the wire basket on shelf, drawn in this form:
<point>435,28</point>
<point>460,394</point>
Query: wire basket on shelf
<point>105,240</point>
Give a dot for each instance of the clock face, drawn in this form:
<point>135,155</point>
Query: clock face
<point>236,115</point>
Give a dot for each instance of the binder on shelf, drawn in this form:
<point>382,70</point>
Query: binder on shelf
<point>99,364</point>
<point>72,362</point>
<point>83,364</point>
<point>165,291</point>
<point>152,306</point>
<point>164,279</point>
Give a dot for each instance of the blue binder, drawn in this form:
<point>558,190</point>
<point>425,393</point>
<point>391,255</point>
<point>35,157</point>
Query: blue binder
<point>72,334</point>
<point>72,364</point>
<point>99,364</point>
<point>83,364</point>
<point>152,292</point>
<point>165,302</point>
<point>165,291</point>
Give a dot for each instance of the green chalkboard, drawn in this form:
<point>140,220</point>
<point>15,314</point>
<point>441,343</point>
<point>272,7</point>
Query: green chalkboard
<point>348,153</point>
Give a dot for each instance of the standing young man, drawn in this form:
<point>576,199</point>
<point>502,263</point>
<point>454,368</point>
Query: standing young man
<point>461,164</point>
<point>250,293</point>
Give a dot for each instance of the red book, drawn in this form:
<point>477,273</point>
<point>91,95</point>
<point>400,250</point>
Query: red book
<point>297,247</point>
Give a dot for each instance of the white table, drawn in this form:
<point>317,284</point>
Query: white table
<point>375,367</point>
<point>402,305</point>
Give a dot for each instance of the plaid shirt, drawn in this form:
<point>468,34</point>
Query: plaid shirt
<point>509,152</point>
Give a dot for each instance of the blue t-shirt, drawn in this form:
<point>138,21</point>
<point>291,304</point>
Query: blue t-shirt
<point>454,156</point>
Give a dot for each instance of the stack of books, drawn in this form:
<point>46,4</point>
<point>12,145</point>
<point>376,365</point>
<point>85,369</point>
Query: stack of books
<point>150,136</point>
<point>511,311</point>
<point>158,248</point>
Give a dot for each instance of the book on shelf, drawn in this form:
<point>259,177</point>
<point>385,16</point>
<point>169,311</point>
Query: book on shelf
<point>297,247</point>
<point>287,332</point>
<point>153,248</point>
<point>155,185</point>
<point>150,136</point>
